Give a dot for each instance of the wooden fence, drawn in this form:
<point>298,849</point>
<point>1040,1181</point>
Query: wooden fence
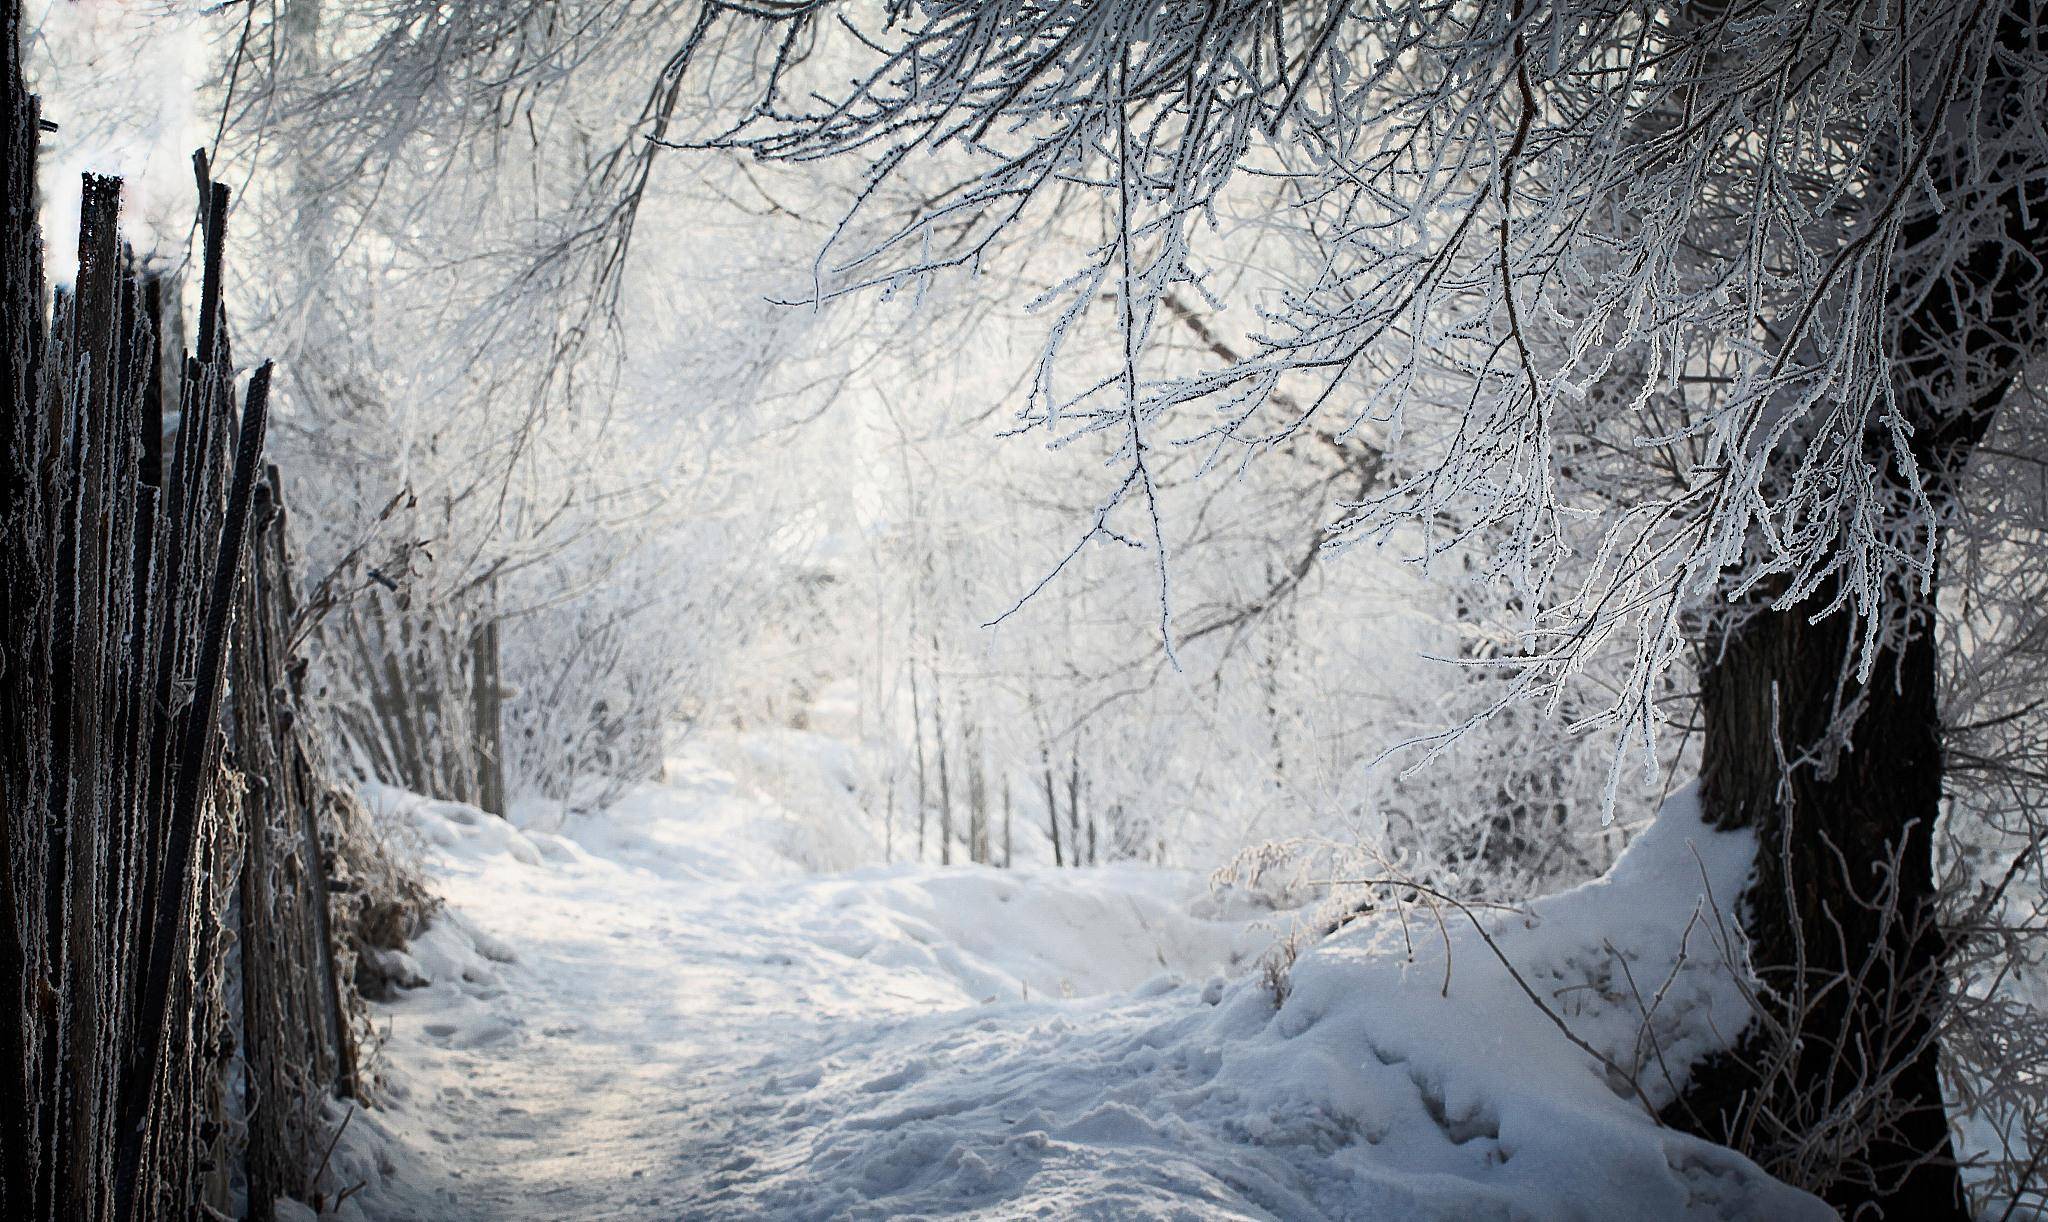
<point>166,924</point>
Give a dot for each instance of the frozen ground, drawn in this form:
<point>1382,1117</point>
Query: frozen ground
<point>661,1014</point>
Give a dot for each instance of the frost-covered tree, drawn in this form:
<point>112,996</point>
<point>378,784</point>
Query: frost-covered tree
<point>1694,314</point>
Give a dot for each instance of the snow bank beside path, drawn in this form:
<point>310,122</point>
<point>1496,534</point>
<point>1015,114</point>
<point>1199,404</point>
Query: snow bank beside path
<point>660,1014</point>
<point>1373,1092</point>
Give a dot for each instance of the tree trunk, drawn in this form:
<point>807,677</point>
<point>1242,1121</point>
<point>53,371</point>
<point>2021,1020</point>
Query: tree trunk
<point>917,728</point>
<point>977,797</point>
<point>1074,807</point>
<point>487,714</point>
<point>945,778</point>
<point>1052,801</point>
<point>1052,810</point>
<point>1841,913</point>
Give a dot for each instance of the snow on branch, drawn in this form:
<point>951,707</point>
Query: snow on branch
<point>1619,283</point>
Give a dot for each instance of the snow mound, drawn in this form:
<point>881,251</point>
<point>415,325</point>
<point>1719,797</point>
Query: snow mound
<point>1375,1091</point>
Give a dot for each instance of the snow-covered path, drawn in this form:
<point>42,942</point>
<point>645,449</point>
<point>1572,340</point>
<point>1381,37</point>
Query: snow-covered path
<point>668,1017</point>
<point>608,1080</point>
<point>629,1033</point>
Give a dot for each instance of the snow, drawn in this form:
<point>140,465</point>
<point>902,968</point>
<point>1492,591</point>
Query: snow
<point>661,1011</point>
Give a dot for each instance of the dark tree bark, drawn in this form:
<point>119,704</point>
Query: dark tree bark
<point>1841,911</point>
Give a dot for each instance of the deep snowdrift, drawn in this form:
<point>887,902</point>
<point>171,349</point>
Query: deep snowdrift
<point>661,1015</point>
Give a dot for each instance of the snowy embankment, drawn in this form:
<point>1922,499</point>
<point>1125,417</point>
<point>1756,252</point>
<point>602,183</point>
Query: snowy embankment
<point>660,1014</point>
